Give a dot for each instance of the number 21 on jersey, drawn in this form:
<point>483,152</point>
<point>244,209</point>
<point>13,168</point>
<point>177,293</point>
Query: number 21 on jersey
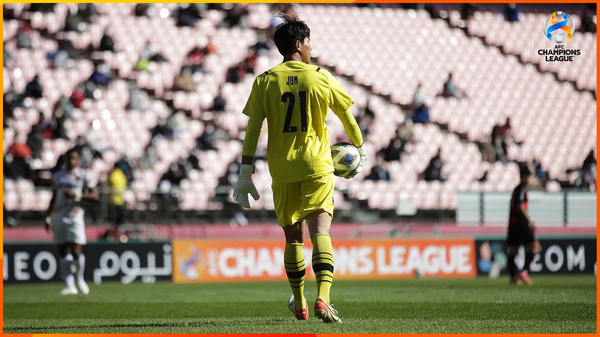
<point>290,98</point>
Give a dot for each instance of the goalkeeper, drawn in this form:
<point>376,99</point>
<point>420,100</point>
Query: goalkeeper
<point>294,97</point>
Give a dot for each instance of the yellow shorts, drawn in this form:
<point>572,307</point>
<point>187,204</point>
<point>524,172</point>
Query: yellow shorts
<point>294,201</point>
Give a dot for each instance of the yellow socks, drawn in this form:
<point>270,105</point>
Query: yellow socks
<point>322,260</point>
<point>295,270</point>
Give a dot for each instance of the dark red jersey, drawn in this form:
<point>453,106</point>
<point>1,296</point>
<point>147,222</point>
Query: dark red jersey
<point>519,196</point>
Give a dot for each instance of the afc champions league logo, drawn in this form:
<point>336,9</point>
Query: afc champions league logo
<point>559,27</point>
<point>191,263</point>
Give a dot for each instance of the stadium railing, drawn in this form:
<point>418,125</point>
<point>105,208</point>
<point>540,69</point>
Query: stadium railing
<point>176,205</point>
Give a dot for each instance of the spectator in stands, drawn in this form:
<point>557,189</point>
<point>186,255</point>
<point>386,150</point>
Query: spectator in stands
<point>66,45</point>
<point>72,21</point>
<point>419,98</point>
<point>499,139</point>
<point>141,10</point>
<point>236,17</point>
<point>163,130</point>
<point>23,35</point>
<point>149,158</point>
<point>413,6</point>
<point>395,148</point>
<point>193,161</point>
<point>137,98</point>
<point>187,15</point>
<point>8,14</point>
<point>468,11</point>
<point>166,198</point>
<point>57,125</point>
<point>42,126</point>
<point>368,111</point>
<point>206,141</point>
<point>588,24</point>
<point>210,47</point>
<point>365,118</point>
<point>451,90</point>
<point>35,139</point>
<point>512,12</point>
<point>421,115</point>
<point>7,60</point>
<point>406,131</point>
<point>42,7</point>
<point>185,80</point>
<point>101,75</point>
<point>221,134</point>
<point>150,54</point>
<point>34,88</point>
<point>236,73</point>
<point>175,174</point>
<point>64,107</point>
<point>58,58</point>
<point>87,11</point>
<point>540,173</point>
<point>219,102</point>
<point>77,96</point>
<point>106,42</point>
<point>262,45</point>
<point>483,177</point>
<point>433,171</point>
<point>195,59</point>
<point>378,173</point>
<point>18,161</point>
<point>534,181</point>
<point>117,184</point>
<point>488,151</point>
<point>588,171</point>
<point>126,165</point>
<point>11,100</point>
<point>92,91</point>
<point>142,65</point>
<point>250,61</point>
<point>175,123</point>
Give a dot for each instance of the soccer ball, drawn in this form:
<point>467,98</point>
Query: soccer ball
<point>345,159</point>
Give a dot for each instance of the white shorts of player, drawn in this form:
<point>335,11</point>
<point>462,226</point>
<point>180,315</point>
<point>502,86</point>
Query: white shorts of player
<point>69,229</point>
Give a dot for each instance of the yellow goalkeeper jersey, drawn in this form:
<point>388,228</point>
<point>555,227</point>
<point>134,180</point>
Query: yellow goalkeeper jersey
<point>294,97</point>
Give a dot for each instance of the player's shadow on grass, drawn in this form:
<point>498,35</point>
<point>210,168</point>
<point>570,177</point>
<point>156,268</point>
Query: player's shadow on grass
<point>10,330</point>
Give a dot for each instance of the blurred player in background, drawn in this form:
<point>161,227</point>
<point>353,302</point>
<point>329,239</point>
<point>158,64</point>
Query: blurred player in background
<point>65,219</point>
<point>521,230</point>
<point>294,97</point>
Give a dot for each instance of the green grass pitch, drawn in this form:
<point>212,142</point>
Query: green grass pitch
<point>554,304</point>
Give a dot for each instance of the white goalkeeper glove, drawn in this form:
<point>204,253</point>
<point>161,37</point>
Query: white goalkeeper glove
<point>244,186</point>
<point>363,159</point>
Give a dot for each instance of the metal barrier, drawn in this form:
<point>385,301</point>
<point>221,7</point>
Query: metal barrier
<point>179,206</point>
<point>561,208</point>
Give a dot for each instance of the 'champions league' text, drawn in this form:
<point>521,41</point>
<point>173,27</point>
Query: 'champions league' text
<point>559,53</point>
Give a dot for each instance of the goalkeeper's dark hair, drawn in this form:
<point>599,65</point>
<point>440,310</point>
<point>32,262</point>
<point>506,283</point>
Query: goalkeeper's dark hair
<point>288,32</point>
